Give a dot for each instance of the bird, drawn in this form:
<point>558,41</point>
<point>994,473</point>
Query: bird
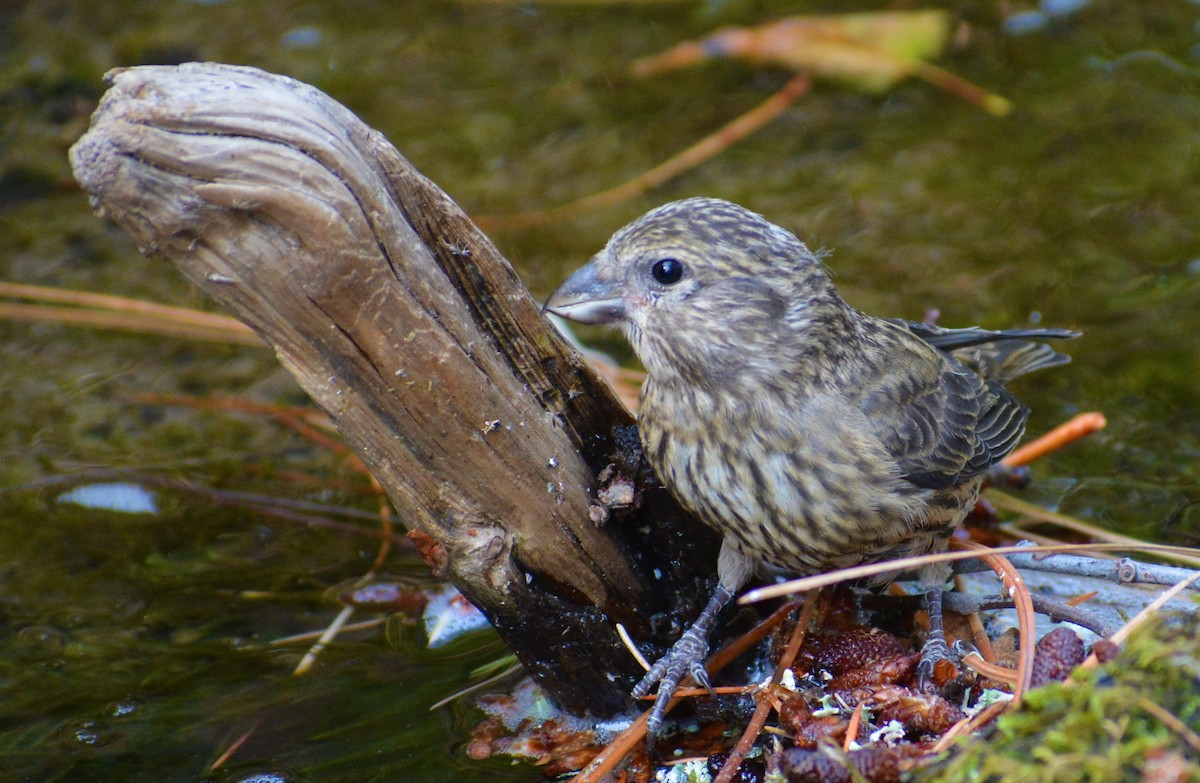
<point>810,435</point>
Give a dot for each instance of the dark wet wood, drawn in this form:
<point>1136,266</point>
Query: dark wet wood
<point>404,323</point>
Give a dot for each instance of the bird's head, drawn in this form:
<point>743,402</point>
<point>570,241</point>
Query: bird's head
<point>701,288</point>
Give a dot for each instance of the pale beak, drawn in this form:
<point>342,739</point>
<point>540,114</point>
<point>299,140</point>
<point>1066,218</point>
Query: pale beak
<point>585,298</point>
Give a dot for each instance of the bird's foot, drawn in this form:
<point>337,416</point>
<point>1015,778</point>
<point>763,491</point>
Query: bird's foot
<point>685,657</point>
<point>937,666</point>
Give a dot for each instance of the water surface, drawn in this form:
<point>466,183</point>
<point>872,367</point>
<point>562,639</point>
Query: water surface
<point>132,644</point>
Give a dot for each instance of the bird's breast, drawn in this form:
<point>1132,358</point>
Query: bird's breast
<point>803,494</point>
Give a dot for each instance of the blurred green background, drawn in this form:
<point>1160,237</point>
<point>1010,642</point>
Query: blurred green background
<point>129,643</point>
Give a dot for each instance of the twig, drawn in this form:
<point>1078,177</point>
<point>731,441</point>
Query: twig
<point>965,603</point>
<point>307,636</point>
<point>908,563</point>
<point>720,690</point>
<point>279,507</point>
<point>1141,617</point>
<point>475,687</point>
<point>1171,721</point>
<point>1123,571</point>
<point>1023,533</point>
<point>318,647</point>
<point>386,533</point>
<point>633,650</point>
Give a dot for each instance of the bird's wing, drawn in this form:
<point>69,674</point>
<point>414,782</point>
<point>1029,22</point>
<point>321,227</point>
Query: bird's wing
<point>940,421</point>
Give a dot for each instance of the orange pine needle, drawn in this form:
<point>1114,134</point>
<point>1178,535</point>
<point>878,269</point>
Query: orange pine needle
<point>607,760</point>
<point>233,748</point>
<point>1079,599</point>
<point>1014,585</point>
<point>691,157</point>
<point>127,322</point>
<point>853,727</point>
<point>1063,435</point>
<point>982,642</point>
<point>759,719</point>
<point>87,308</point>
<point>977,664</point>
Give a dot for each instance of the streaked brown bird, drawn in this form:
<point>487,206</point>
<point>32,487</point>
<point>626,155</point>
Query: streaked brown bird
<point>810,435</point>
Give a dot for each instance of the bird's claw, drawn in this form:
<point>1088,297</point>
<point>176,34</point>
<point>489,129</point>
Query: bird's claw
<point>686,656</point>
<point>933,652</point>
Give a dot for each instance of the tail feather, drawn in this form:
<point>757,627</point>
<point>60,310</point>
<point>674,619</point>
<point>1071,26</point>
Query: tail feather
<point>1004,361</point>
<point>999,355</point>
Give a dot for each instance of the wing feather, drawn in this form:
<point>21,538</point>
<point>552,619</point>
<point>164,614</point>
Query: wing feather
<point>940,421</point>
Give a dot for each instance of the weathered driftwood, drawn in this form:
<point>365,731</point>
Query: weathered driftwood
<point>404,323</point>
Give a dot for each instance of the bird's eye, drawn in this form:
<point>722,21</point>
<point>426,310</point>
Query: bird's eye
<point>667,271</point>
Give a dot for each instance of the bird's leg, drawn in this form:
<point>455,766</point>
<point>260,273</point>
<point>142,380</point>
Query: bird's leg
<point>687,655</point>
<point>933,579</point>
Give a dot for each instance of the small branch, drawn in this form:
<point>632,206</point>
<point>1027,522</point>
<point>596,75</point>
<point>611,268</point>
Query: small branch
<point>904,564</point>
<point>965,603</point>
<point>1124,571</point>
<point>1142,617</point>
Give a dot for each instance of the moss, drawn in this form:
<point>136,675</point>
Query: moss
<point>1102,726</point>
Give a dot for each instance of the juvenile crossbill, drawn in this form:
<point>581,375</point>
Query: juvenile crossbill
<point>812,436</point>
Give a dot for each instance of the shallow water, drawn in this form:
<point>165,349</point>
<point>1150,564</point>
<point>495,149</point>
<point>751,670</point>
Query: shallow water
<point>131,643</point>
